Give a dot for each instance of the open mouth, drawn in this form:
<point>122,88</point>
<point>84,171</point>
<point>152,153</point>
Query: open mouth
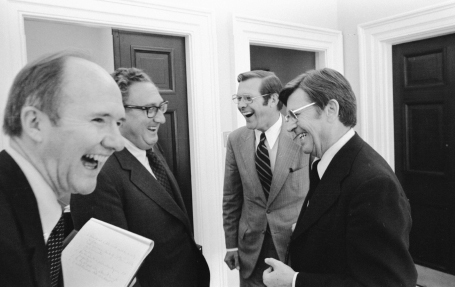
<point>301,135</point>
<point>153,129</point>
<point>92,161</point>
<point>247,115</point>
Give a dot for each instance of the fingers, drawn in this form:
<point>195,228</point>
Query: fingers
<point>232,260</point>
<point>236,261</point>
<point>272,262</point>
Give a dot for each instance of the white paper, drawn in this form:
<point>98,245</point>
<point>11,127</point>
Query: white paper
<point>102,254</point>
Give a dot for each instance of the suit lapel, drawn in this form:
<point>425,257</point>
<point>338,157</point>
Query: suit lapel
<point>27,215</point>
<point>286,154</point>
<point>247,148</point>
<point>174,185</point>
<point>329,187</point>
<point>147,184</point>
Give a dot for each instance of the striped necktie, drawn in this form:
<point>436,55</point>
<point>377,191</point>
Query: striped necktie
<point>263,166</point>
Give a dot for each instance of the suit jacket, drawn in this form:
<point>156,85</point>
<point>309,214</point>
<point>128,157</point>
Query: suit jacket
<point>128,196</point>
<point>246,212</point>
<point>355,230</point>
<point>23,255</point>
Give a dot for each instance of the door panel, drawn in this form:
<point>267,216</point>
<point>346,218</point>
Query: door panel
<point>424,120</point>
<point>163,59</point>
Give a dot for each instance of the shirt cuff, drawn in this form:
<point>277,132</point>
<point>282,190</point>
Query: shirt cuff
<point>294,279</point>
<point>232,249</point>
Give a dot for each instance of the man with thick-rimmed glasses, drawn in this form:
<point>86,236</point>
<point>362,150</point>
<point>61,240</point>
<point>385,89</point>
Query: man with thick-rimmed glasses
<point>266,179</point>
<point>137,191</point>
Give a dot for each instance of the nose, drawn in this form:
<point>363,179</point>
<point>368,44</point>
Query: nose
<point>241,104</point>
<point>291,125</point>
<point>113,139</point>
<point>159,117</point>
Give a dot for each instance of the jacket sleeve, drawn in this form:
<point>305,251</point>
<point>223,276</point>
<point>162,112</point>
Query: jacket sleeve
<point>232,198</point>
<point>377,239</point>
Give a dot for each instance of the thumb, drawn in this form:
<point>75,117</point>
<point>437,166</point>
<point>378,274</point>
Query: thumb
<point>272,262</point>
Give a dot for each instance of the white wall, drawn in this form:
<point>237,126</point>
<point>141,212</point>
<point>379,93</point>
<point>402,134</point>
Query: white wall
<point>45,37</point>
<point>351,13</point>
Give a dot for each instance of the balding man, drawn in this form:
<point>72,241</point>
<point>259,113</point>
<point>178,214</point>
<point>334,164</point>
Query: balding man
<point>62,117</point>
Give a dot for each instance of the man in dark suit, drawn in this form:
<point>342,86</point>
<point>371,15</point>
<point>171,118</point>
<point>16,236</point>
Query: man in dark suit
<point>353,229</point>
<point>258,212</point>
<point>62,118</point>
<point>137,191</point>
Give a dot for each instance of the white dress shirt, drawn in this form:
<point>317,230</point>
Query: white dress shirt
<point>139,154</point>
<point>325,161</point>
<point>49,209</point>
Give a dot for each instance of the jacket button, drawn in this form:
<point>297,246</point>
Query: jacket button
<point>268,211</point>
<point>263,231</point>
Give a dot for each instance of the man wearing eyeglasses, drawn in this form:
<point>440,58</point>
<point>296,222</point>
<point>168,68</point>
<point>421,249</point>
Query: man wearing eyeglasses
<point>137,191</point>
<point>354,226</point>
<point>266,180</point>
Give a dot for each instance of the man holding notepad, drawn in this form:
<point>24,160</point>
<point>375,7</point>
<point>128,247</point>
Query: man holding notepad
<point>137,191</point>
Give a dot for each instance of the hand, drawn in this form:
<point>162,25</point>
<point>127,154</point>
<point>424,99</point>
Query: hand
<point>278,274</point>
<point>232,259</point>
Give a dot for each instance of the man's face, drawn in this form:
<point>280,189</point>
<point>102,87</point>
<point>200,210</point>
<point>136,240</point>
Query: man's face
<point>138,128</point>
<point>257,115</point>
<point>308,127</point>
<point>74,150</point>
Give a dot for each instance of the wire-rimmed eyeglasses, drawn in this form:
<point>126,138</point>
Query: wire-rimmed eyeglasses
<point>152,110</point>
<point>247,99</point>
<point>292,113</point>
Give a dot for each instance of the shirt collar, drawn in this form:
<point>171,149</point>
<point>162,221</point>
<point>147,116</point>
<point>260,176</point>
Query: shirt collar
<point>134,150</point>
<point>332,151</point>
<point>49,209</point>
<point>272,133</point>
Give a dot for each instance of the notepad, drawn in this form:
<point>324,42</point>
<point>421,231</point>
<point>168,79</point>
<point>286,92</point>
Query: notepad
<point>102,254</point>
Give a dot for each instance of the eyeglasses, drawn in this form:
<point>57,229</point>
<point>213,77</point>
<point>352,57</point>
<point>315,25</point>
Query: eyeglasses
<point>151,111</point>
<point>246,98</point>
<point>292,113</point>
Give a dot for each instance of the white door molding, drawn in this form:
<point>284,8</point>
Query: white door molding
<point>327,43</point>
<point>376,83</point>
<point>198,28</point>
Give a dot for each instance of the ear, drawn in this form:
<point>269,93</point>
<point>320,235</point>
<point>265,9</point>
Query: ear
<point>273,100</point>
<point>332,110</point>
<point>32,121</point>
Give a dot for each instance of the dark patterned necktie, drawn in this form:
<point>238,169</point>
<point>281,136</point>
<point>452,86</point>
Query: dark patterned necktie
<point>159,171</point>
<point>54,250</point>
<point>263,166</point>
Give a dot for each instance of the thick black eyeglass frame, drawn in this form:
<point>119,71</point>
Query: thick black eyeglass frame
<point>150,111</point>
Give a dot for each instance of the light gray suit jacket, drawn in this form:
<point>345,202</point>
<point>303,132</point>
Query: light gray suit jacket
<point>245,209</point>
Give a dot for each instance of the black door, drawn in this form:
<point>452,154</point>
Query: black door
<point>424,119</point>
<point>163,59</point>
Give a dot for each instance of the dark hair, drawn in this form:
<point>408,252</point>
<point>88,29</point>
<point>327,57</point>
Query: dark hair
<point>125,77</point>
<point>271,84</point>
<point>322,86</point>
<point>38,84</point>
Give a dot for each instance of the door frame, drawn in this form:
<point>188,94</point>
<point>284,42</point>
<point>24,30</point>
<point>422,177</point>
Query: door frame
<point>198,28</point>
<point>327,43</point>
<point>376,82</point>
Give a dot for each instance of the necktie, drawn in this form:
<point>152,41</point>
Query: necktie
<point>54,250</point>
<point>263,166</point>
<point>159,171</point>
<point>314,179</point>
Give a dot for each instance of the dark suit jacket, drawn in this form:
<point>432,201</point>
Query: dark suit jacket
<point>246,211</point>
<point>23,258</point>
<point>355,231</point>
<point>128,196</point>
